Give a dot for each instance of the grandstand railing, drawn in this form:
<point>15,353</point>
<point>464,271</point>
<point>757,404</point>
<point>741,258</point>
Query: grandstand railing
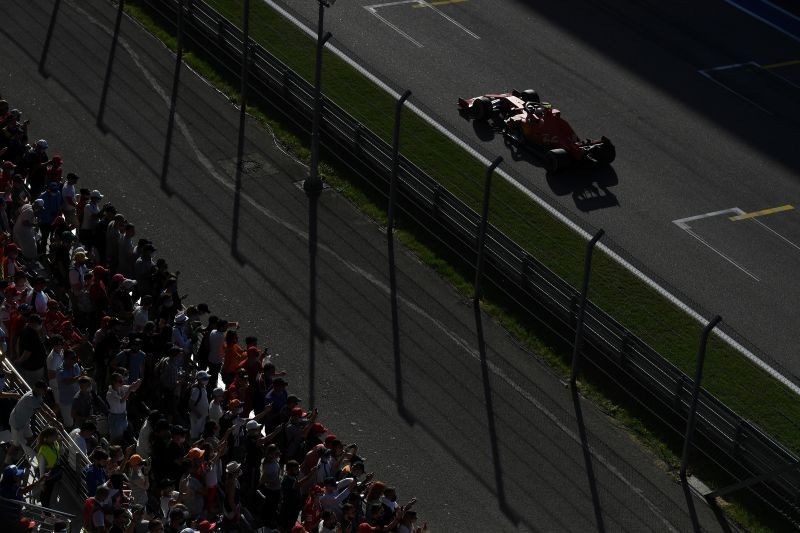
<point>44,517</point>
<point>725,438</point>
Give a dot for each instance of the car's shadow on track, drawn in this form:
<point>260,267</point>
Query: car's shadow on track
<point>589,186</point>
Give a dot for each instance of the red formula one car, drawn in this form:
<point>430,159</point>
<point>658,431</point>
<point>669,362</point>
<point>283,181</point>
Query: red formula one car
<point>527,122</point>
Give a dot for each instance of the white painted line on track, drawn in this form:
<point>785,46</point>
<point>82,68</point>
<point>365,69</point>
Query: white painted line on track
<point>374,11</point>
<point>683,224</point>
<point>705,73</point>
<point>546,206</point>
<point>451,19</point>
<point>373,8</point>
<point>764,19</point>
<point>783,238</point>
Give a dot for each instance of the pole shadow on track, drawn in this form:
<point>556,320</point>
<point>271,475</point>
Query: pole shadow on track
<point>173,101</point>
<point>487,387</point>
<point>109,67</point>
<point>48,39</point>
<point>573,384</point>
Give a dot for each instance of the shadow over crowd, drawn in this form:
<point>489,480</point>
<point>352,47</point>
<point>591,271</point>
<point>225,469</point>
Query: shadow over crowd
<point>188,424</point>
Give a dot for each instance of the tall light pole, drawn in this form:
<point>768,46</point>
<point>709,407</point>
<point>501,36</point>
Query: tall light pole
<point>313,187</point>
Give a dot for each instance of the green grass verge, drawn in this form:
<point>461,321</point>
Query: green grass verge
<point>635,305</point>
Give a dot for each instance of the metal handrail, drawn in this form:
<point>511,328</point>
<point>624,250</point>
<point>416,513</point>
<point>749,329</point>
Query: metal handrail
<point>45,517</point>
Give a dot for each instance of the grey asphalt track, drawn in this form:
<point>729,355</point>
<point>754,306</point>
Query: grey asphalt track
<point>686,144</point>
<point>442,453</point>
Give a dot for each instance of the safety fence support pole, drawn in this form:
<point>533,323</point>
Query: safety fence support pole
<point>690,422</point>
<point>476,304</point>
<point>398,375</point>
<point>576,360</point>
<point>587,271</point>
<point>313,188</point>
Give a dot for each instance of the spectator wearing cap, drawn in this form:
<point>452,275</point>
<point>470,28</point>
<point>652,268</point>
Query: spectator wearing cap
<point>117,398</point>
<point>67,378</point>
<point>91,216</point>
<point>51,208</point>
<point>182,334</point>
<point>83,407</point>
<point>137,479</point>
<point>231,504</point>
<point>216,407</point>
<point>312,510</point>
<point>120,301</point>
<point>69,201</point>
<point>130,360</point>
<point>55,170</point>
<point>198,405</point>
<point>292,401</point>
<point>25,229</point>
<point>32,352</point>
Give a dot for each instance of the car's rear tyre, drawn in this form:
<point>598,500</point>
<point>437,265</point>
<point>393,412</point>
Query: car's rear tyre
<point>556,160</point>
<point>529,95</point>
<point>482,108</point>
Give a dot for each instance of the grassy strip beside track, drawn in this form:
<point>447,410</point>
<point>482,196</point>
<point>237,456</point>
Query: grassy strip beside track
<point>670,331</point>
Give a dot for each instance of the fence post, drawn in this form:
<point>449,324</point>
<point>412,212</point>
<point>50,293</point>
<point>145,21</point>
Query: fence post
<point>476,304</point>
<point>690,423</point>
<point>587,270</point>
<point>398,377</point>
<point>313,188</point>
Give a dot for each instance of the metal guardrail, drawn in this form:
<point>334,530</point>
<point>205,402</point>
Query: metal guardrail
<point>44,517</point>
<point>71,456</point>
<point>728,440</point>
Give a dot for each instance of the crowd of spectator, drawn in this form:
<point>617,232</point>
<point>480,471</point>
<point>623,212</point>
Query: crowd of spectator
<point>188,427</point>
